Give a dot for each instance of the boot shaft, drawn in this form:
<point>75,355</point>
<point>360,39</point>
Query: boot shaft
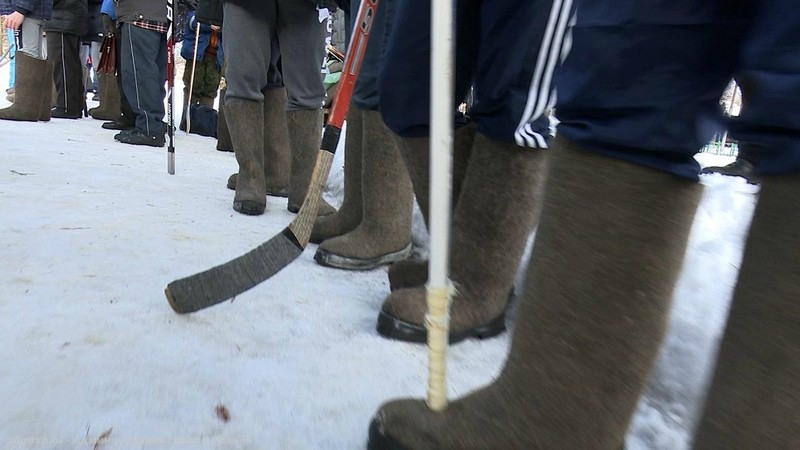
<point>30,83</point>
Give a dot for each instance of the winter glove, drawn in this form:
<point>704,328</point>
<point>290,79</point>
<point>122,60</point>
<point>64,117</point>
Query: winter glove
<point>109,26</point>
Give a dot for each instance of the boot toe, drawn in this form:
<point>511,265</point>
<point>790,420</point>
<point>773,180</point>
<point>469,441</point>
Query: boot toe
<point>249,207</point>
<point>352,252</point>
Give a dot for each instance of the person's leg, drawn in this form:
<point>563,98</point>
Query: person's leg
<point>33,77</point>
<point>12,51</point>
<point>608,249</point>
<point>302,43</point>
<point>247,44</point>
<point>754,397</point>
<point>143,75</point>
<point>65,52</point>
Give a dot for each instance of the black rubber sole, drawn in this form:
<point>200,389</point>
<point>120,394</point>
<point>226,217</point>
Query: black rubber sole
<point>380,441</point>
<point>249,207</point>
<point>396,329</point>
<point>328,259</point>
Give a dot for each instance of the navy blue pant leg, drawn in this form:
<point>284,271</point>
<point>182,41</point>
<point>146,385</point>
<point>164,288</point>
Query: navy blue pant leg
<point>144,74</point>
<point>769,74</point>
<point>643,82</point>
<point>366,94</point>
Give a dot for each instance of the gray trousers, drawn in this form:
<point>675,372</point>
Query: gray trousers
<point>32,41</point>
<point>144,72</point>
<point>248,51</point>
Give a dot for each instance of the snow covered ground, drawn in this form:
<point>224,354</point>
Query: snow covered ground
<point>92,231</point>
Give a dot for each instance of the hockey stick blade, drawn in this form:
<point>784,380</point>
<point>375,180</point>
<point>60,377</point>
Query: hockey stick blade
<point>238,275</point>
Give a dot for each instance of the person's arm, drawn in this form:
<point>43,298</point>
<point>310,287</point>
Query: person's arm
<point>15,19</point>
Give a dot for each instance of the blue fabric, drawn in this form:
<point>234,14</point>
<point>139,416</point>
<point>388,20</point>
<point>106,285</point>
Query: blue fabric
<point>12,52</point>
<point>497,44</point>
<point>187,48</point>
<point>39,9</point>
<point>108,9</point>
<point>366,94</point>
<point>643,80</point>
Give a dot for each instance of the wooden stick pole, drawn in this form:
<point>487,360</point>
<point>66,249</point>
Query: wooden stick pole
<point>441,140</point>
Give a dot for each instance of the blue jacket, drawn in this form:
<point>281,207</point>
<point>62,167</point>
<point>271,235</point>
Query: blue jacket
<point>35,9</point>
<point>108,9</point>
<point>187,49</point>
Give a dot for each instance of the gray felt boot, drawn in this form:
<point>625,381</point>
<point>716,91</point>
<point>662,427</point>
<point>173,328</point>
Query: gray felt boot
<point>31,73</point>
<point>411,273</point>
<point>495,214</point>
<point>109,108</point>
<point>305,136</point>
<point>224,143</point>
<point>594,311</point>
<point>248,142</point>
<point>754,400</point>
<point>348,216</point>
<point>384,234</point>
<point>277,149</point>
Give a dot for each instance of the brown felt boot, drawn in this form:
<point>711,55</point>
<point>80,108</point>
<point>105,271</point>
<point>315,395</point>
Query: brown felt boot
<point>754,400</point>
<point>109,108</point>
<point>305,136</point>
<point>596,301</point>
<point>246,118</point>
<point>411,273</point>
<point>349,215</point>
<point>384,234</point>
<point>224,143</point>
<point>31,73</point>
<point>495,214</point>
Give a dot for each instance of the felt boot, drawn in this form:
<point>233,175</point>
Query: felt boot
<point>384,234</point>
<point>248,143</point>
<point>594,311</point>
<point>305,137</point>
<point>277,149</point>
<point>348,216</point>
<point>411,273</point>
<point>45,110</point>
<point>494,216</point>
<point>224,143</point>
<point>30,74</point>
<point>109,108</point>
<point>754,399</point>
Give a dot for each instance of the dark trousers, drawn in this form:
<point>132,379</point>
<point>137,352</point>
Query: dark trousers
<point>144,73</point>
<point>365,94</point>
<point>127,114</point>
<point>64,50</point>
<point>658,72</point>
<point>498,44</point>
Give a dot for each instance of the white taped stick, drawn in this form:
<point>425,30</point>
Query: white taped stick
<point>191,80</point>
<point>441,141</point>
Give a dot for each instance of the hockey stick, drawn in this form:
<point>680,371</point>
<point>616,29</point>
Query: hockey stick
<point>228,280</point>
<point>170,86</point>
<point>439,288</point>
<point>191,80</point>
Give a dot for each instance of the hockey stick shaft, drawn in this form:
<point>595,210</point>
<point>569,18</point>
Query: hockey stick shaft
<point>188,101</point>
<point>236,276</point>
<point>170,86</point>
<point>441,142</point>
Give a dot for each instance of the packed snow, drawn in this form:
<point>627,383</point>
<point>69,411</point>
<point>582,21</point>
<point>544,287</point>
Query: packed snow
<point>93,357</point>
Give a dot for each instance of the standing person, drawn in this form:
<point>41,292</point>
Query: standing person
<point>619,204</point>
<point>207,68</point>
<point>373,226</point>
<point>498,157</point>
<point>91,46</point>
<point>250,28</point>
<point>115,108</point>
<point>143,25</point>
<point>32,74</point>
<point>70,21</point>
